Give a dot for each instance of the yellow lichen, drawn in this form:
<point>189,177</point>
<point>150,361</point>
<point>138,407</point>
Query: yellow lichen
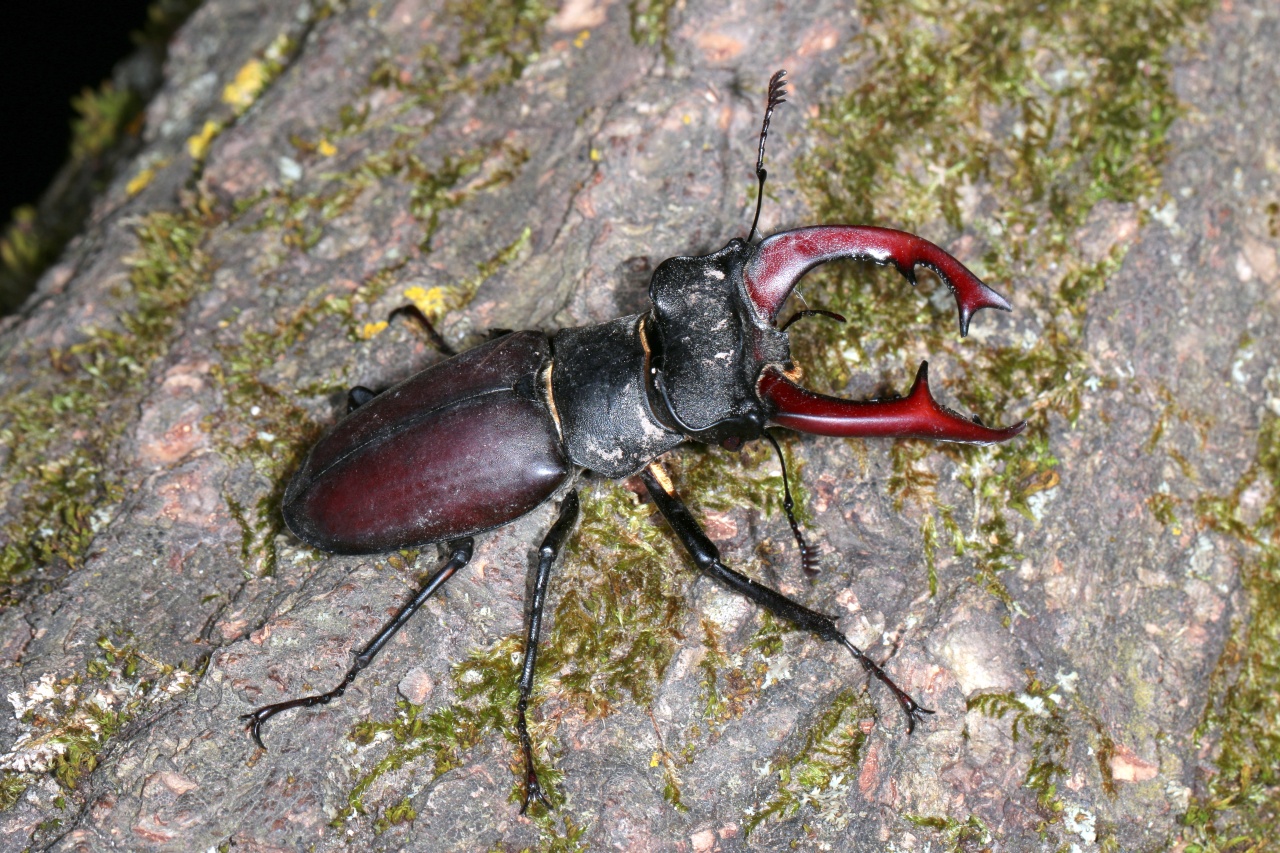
<point>198,144</point>
<point>241,92</point>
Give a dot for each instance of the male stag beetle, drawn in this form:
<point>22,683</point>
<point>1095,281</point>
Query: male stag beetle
<point>479,440</point>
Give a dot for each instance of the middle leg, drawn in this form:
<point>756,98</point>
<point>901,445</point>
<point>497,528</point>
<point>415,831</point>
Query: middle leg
<point>547,554</point>
<point>707,557</point>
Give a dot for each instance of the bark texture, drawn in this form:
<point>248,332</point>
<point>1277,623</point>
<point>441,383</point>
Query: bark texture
<point>534,164</point>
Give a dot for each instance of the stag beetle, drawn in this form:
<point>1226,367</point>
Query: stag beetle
<point>477,441</point>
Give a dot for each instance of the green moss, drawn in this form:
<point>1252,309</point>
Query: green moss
<point>60,463</point>
<point>1036,716</point>
<point>1046,718</point>
<point>651,24</point>
<point>85,724</point>
<point>483,681</point>
<point>102,115</point>
<point>562,836</point>
<point>303,217</point>
<point>12,786</point>
<point>819,772</point>
<point>956,836</point>
<point>486,688</point>
<point>400,813</point>
<point>1008,123</point>
<point>1164,508</point>
<point>615,629</point>
<point>670,765</point>
<point>66,724</point>
<point>1240,807</point>
<point>26,250</point>
<point>454,297</point>
<point>715,709</point>
<point>506,36</point>
<point>494,44</point>
<point>767,639</point>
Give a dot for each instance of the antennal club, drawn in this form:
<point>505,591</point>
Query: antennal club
<point>777,96</point>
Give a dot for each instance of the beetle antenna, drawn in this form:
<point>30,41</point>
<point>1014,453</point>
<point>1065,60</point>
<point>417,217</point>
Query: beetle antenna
<point>777,96</point>
<point>808,559</point>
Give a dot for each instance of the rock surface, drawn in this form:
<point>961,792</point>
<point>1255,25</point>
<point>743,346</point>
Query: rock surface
<point>373,148</point>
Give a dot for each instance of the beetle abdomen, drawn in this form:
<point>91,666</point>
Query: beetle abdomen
<point>464,446</point>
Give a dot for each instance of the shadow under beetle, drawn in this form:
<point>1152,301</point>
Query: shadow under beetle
<point>477,441</point>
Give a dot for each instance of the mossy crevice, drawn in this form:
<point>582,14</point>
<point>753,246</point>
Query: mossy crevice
<point>822,768</point>
<point>999,126</point>
<point>1238,807</point>
<point>957,836</point>
<point>60,475</point>
<point>495,42</point>
<point>66,723</point>
<point>304,217</point>
<point>651,23</point>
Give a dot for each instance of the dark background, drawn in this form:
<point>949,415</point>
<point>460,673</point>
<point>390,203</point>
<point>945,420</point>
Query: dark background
<point>49,51</point>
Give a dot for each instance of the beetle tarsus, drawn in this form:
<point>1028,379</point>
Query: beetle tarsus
<point>532,787</point>
<point>460,555</point>
<point>909,706</point>
<point>265,713</point>
<point>547,554</point>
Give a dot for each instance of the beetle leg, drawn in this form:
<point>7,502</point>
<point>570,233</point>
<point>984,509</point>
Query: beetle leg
<point>460,556</point>
<point>358,396</point>
<point>707,557</point>
<point>546,556</point>
<point>433,337</point>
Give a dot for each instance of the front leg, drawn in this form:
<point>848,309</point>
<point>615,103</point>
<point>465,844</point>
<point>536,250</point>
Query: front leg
<point>707,557</point>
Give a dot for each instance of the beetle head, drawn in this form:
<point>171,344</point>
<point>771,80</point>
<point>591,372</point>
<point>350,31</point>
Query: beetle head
<point>707,346</point>
<point>719,364</point>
